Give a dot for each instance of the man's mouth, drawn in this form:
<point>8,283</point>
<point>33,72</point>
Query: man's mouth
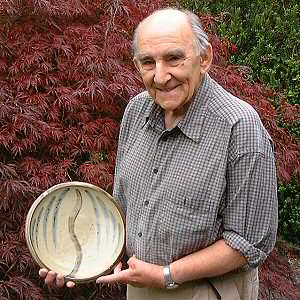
<point>169,89</point>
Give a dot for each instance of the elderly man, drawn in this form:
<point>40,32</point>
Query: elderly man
<point>195,175</point>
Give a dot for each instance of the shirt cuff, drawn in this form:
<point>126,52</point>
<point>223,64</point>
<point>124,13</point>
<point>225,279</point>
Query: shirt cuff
<point>254,256</point>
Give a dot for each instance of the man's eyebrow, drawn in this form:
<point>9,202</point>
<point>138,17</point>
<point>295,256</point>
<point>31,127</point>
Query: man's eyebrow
<point>144,57</point>
<point>176,52</point>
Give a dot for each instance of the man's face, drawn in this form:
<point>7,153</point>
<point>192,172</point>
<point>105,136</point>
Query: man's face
<point>168,63</point>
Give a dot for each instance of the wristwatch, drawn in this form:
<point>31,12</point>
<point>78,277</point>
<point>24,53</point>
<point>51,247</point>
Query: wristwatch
<point>169,282</point>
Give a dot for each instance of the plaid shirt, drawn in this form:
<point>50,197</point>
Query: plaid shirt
<point>211,177</point>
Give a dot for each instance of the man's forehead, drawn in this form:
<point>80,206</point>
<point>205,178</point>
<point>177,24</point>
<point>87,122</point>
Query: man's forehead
<point>171,33</point>
<point>164,22</point>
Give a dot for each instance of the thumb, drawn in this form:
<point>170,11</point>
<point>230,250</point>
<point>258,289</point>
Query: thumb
<point>132,261</point>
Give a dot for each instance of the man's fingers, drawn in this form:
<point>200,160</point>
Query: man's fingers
<point>50,278</point>
<point>70,284</point>
<point>43,273</point>
<point>121,277</point>
<point>60,281</point>
<point>114,278</point>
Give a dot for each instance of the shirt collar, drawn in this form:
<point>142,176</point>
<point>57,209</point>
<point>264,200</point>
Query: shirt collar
<point>191,124</point>
<point>154,116</point>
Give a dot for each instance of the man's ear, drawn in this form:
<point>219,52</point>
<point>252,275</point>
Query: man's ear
<point>206,59</point>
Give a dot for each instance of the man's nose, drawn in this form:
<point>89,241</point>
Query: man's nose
<point>162,74</point>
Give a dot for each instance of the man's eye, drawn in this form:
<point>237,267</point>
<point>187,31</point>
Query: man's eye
<point>147,62</point>
<point>173,58</point>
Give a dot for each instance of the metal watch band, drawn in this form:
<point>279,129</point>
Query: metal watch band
<point>169,282</point>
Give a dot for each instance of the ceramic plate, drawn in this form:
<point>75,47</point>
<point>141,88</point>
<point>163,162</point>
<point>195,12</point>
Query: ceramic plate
<point>76,229</point>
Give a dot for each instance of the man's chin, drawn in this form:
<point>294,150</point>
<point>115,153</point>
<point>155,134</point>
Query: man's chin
<point>167,106</point>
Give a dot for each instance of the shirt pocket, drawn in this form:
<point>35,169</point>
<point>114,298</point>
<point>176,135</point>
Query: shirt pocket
<point>187,222</point>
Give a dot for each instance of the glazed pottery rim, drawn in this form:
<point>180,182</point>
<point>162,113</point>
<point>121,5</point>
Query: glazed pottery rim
<point>36,203</point>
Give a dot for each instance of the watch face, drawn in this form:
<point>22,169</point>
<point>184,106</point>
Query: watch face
<point>172,286</point>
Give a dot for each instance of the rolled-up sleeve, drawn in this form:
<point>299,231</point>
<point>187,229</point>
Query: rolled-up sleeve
<point>251,213</point>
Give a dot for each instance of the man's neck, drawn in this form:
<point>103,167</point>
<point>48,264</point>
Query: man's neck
<point>173,117</point>
<point>171,120</point>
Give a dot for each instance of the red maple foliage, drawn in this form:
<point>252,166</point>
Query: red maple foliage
<point>66,75</point>
<point>276,279</point>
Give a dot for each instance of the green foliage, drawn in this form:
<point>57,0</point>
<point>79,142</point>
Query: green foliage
<point>289,211</point>
<point>267,36</point>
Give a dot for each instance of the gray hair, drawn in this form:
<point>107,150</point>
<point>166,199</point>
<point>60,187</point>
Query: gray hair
<point>200,41</point>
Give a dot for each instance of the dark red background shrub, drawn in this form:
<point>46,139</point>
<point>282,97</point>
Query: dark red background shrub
<point>66,75</point>
<point>65,78</point>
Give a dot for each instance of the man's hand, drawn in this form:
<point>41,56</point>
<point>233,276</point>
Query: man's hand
<point>139,273</point>
<point>51,278</point>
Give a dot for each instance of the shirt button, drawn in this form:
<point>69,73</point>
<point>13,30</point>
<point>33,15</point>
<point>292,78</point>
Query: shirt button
<point>155,171</point>
<point>140,234</point>
<point>146,202</point>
